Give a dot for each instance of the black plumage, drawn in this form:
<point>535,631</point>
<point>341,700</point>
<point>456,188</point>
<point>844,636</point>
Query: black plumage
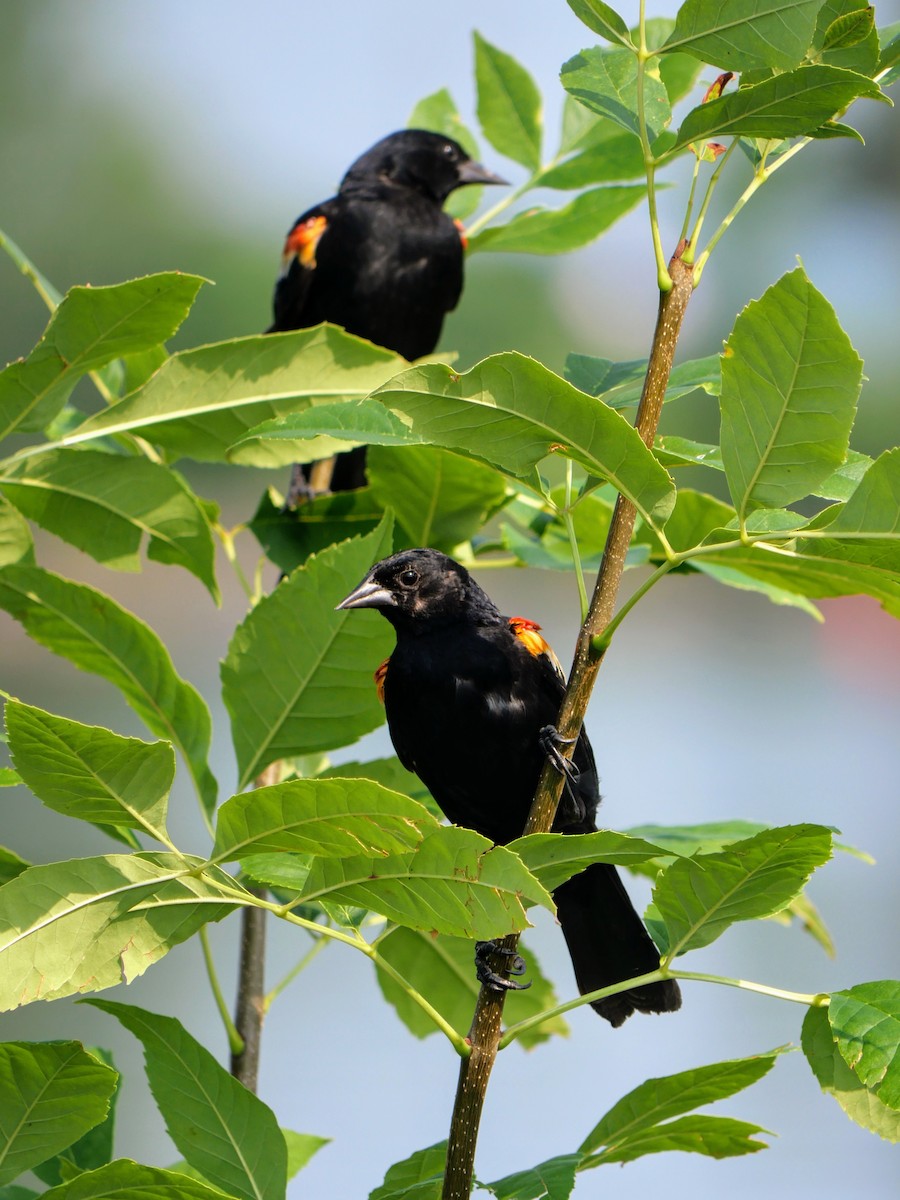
<point>381,258</point>
<point>467,693</point>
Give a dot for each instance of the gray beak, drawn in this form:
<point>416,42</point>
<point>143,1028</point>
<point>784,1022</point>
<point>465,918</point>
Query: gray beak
<point>368,595</point>
<point>473,172</point>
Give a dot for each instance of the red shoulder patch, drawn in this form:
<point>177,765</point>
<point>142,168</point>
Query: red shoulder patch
<point>379,677</point>
<point>462,234</point>
<point>529,634</point>
<point>303,240</point>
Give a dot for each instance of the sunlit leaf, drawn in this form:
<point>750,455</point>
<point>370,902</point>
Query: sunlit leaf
<point>107,505</point>
<point>91,923</point>
<point>89,772</point>
<point>97,635</point>
<point>91,327</point>
<point>320,816</point>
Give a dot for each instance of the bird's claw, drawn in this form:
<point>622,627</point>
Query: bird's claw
<point>487,976</point>
<point>550,741</point>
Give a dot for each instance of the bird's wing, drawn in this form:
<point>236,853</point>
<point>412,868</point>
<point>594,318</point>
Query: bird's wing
<point>298,263</point>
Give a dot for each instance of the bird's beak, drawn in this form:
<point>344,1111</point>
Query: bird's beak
<point>473,172</point>
<point>368,595</point>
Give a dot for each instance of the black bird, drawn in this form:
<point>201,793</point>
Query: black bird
<point>470,695</point>
<point>381,258</point>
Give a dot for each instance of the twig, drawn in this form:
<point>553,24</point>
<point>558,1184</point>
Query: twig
<point>484,1036</point>
<point>250,1009</point>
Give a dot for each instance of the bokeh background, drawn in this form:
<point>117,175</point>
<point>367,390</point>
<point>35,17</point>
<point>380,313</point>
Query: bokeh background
<point>144,137</point>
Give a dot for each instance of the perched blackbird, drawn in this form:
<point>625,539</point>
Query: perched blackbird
<point>381,258</point>
<point>471,698</point>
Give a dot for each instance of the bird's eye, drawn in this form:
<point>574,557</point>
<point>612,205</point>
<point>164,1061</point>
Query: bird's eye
<point>409,577</point>
<point>448,151</point>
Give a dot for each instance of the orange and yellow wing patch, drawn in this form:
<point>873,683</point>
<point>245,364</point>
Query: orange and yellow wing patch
<point>379,677</point>
<point>529,634</point>
<point>303,240</point>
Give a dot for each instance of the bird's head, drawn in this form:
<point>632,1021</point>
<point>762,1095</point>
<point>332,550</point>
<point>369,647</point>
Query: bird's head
<point>420,588</point>
<point>416,158</point>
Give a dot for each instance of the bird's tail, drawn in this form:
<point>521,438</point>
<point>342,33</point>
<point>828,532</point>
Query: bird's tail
<point>608,943</point>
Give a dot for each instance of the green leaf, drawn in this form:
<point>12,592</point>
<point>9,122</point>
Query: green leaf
<point>743,35</point>
<point>817,569</point>
<point>731,577</point>
<point>865,1021</point>
<point>442,969</point>
<point>602,19</point>
<point>51,1093</point>
<point>550,1180</point>
<point>509,104</point>
<point>300,1149</point>
<point>202,401</point>
<point>699,898</point>
<point>872,509</point>
<point>658,1100</point>
<point>859,1103</point>
<point>93,1149</point>
<point>889,58</point>
<point>543,541</point>
<point>321,695</point>
<point>91,327</point>
<point>319,432</point>
<point>418,1177</point>
<point>9,777</point>
<point>456,883</point>
<point>555,857</point>
<point>91,773</point>
<point>620,383</point>
<point>105,505</point>
<point>320,816</point>
<point>790,382</point>
<point>438,498</point>
<point>390,773</point>
<point>223,1130</point>
<point>16,544</point>
<point>687,840</point>
<point>10,865</point>
<point>785,106</point>
<point>846,479</point>
<point>510,411</point>
<point>716,1137</point>
<point>617,157</point>
<point>93,923</point>
<point>678,72</point>
<point>682,452</point>
<point>438,112</point>
<point>559,230</point>
<point>289,537</point>
<point>605,81</point>
<point>127,1180</point>
<point>846,37</point>
<point>96,635</point>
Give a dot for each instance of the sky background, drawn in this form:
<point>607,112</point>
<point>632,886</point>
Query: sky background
<point>144,137</point>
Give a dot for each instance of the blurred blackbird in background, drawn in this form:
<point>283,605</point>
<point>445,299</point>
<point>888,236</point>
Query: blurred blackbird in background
<point>382,259</point>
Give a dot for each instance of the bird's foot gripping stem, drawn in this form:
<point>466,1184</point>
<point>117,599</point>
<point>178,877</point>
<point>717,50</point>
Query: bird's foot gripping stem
<point>488,976</point>
<point>550,741</point>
